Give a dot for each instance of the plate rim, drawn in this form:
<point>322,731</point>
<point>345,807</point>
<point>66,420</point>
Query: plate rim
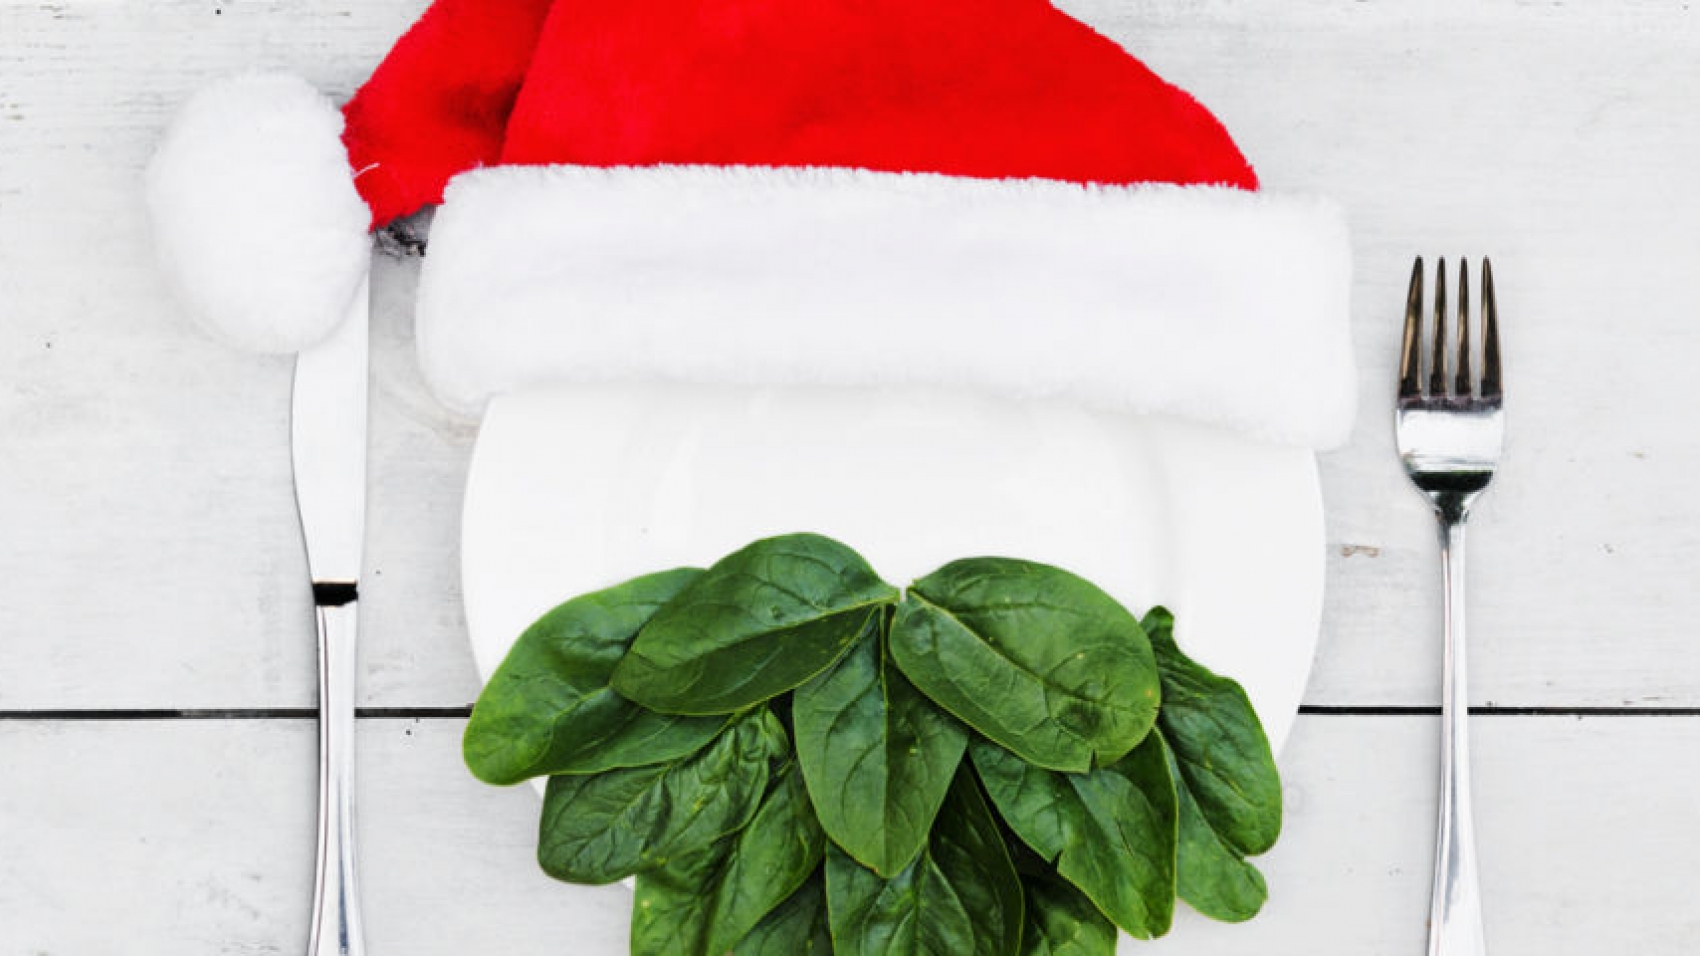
<point>1313,570</point>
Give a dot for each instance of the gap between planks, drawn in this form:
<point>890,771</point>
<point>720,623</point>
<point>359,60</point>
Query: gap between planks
<point>461,713</point>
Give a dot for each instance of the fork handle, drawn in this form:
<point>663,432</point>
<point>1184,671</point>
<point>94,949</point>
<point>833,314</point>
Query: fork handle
<point>1455,919</point>
<point>336,906</point>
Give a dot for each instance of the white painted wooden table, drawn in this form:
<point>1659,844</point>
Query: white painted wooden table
<point>155,640</point>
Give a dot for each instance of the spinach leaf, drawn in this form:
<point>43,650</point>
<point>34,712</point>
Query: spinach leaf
<point>703,903</point>
<point>1219,744</point>
<point>796,927</point>
<point>1061,921</point>
<point>758,623</point>
<point>604,827</point>
<point>878,757</point>
<point>1230,791</point>
<point>660,710</point>
<point>1210,876</point>
<point>1035,658</point>
<point>1111,831</point>
<point>960,897</point>
<point>548,708</point>
<point>968,846</point>
<point>912,913</point>
<point>669,913</point>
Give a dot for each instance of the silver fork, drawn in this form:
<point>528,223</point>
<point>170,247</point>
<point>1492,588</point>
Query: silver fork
<point>1450,426</point>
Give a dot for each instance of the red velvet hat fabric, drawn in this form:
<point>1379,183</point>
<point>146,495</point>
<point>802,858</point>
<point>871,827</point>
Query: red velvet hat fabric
<point>439,103</point>
<point>979,88</point>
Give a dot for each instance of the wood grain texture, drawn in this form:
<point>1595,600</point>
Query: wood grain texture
<point>151,554</point>
<point>148,545</point>
<point>1550,137</point>
<point>108,854</point>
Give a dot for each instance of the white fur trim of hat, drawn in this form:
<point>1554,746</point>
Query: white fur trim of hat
<point>1218,305</point>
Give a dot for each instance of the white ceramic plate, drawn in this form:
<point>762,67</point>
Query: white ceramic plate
<point>576,488</point>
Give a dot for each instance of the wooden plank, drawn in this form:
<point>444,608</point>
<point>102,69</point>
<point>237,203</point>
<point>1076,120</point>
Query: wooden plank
<point>1540,135</point>
<point>149,554</point>
<point>192,837</point>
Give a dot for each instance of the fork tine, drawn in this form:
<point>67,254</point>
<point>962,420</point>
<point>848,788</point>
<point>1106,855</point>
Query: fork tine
<point>1410,355</point>
<point>1437,357</point>
<point>1463,384</point>
<point>1490,337</point>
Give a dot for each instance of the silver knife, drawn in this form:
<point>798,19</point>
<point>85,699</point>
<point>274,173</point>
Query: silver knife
<point>328,445</point>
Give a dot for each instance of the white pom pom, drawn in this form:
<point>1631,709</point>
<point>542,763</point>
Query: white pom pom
<point>255,212</point>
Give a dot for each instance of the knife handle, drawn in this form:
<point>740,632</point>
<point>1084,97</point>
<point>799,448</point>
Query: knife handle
<point>336,904</point>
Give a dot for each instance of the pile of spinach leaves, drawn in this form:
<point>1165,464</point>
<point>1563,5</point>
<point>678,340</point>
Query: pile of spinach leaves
<point>794,757</point>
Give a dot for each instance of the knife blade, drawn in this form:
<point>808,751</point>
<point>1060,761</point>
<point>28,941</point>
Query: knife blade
<point>328,446</point>
<point>328,450</point>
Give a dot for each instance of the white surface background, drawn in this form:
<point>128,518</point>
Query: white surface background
<point>149,557</point>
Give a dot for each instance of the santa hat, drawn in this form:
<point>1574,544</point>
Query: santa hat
<point>979,192</point>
